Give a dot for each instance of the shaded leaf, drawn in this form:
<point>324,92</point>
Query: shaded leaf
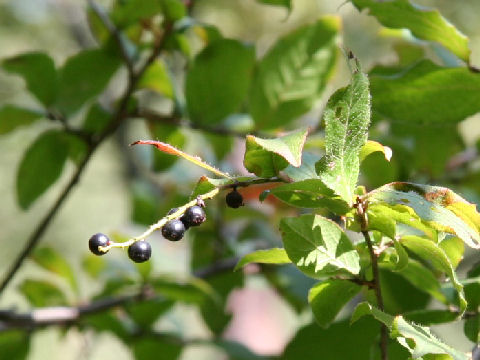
<point>347,117</point>
<point>428,317</point>
<point>318,246</point>
<point>269,256</point>
<point>38,70</point>
<point>159,348</point>
<point>12,116</point>
<point>15,344</point>
<point>284,3</point>
<point>434,254</point>
<point>84,76</point>
<point>192,290</point>
<point>306,170</point>
<point>439,95</point>
<point>42,293</point>
<point>415,338</point>
<point>310,194</point>
<point>218,80</point>
<point>471,328</point>
<point>266,157</point>
<point>237,351</point>
<point>328,297</point>
<point>41,166</point>
<point>156,78</point>
<point>96,119</point>
<point>291,77</point>
<point>51,260</point>
<point>425,24</point>
<point>145,313</point>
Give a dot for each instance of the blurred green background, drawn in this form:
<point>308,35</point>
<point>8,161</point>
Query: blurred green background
<point>102,201</point>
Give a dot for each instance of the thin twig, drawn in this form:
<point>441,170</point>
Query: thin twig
<point>68,315</point>
<point>361,207</point>
<point>117,35</point>
<point>117,118</point>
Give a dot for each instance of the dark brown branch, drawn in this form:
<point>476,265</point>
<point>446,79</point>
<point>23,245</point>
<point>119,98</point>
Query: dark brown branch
<point>361,207</point>
<point>117,118</point>
<point>65,315</point>
<point>116,34</point>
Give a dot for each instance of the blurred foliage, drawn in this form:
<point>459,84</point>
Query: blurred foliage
<point>207,77</point>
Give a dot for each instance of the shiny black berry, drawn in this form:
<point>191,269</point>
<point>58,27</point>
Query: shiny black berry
<point>234,199</point>
<point>194,216</point>
<point>139,251</point>
<point>98,240</point>
<point>173,230</point>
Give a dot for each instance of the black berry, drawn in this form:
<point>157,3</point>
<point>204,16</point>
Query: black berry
<point>139,251</point>
<point>193,216</point>
<point>234,199</point>
<point>98,240</point>
<point>173,230</point>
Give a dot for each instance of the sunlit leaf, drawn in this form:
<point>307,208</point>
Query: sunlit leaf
<point>347,117</point>
<point>318,246</point>
<point>266,157</point>
<point>268,256</point>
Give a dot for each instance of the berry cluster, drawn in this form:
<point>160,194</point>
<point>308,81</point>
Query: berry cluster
<point>173,230</point>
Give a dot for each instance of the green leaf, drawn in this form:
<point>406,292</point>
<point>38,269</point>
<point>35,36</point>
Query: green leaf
<point>284,3</point>
<point>96,119</point>
<point>327,298</point>
<point>218,80</point>
<point>384,218</point>
<point>266,157</point>
<point>454,249</point>
<point>471,328</point>
<point>173,9</point>
<point>423,279</point>
<point>125,13</point>
<point>371,147</point>
<point>41,166</point>
<point>428,317</point>
<point>402,256</point>
<point>42,293</point>
<point>318,246</point>
<point>15,343</point>
<point>440,207</point>
<point>194,290</point>
<point>434,254</point>
<point>269,256</point>
<point>51,260</point>
<point>438,95</point>
<point>93,265</point>
<point>12,116</point>
<point>84,76</point>
<point>291,77</point>
<point>38,70</point>
<point>417,339</point>
<point>145,313</point>
<point>311,193</point>
<point>424,23</point>
<point>156,78</point>
<point>147,348</point>
<point>237,351</point>
<point>346,116</point>
<point>339,341</point>
<point>305,171</point>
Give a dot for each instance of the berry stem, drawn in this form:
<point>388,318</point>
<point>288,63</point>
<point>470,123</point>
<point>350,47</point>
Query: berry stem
<point>158,225</point>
